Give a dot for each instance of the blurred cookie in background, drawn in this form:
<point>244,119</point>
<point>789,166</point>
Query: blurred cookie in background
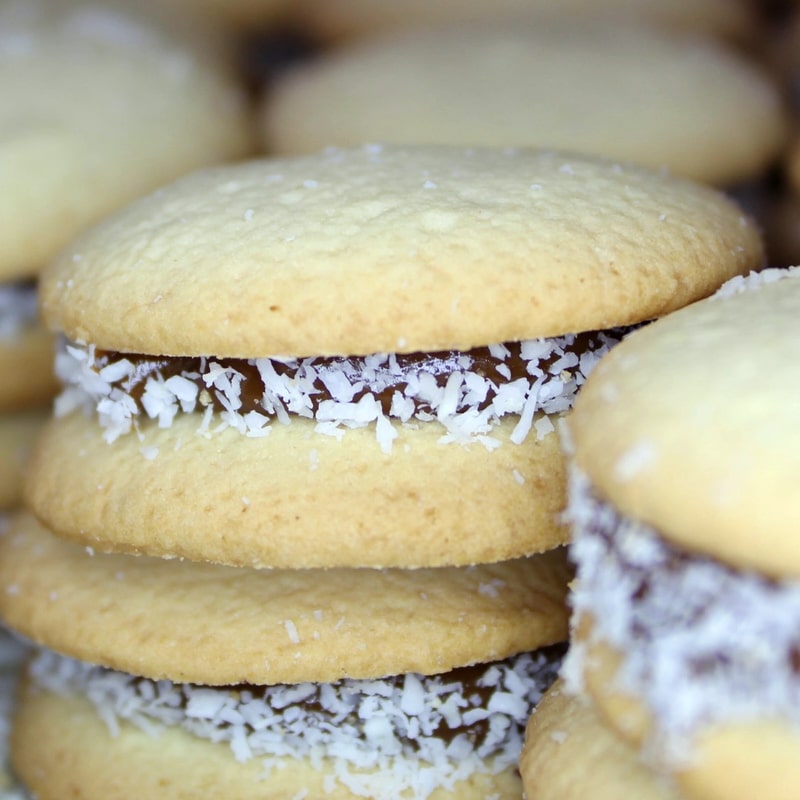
<point>629,93</point>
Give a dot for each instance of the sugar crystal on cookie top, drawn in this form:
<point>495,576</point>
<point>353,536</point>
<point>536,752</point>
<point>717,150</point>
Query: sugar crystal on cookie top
<point>399,736</point>
<point>466,392</point>
<point>698,638</point>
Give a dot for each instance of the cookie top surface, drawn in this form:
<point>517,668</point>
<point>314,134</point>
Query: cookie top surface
<point>342,18</point>
<point>228,625</point>
<point>689,425</point>
<point>97,109</point>
<point>393,249</point>
<point>615,90</point>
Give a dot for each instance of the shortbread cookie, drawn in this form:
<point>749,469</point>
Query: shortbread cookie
<point>354,346</point>
<point>615,90</point>
<point>688,591</point>
<point>455,735</point>
<point>570,755</point>
<point>335,19</point>
<point>98,109</point>
<point>229,625</point>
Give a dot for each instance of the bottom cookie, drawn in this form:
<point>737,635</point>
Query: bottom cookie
<point>94,734</point>
<point>570,755</point>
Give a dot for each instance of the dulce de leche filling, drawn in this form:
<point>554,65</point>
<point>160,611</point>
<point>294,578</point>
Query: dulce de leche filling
<point>420,731</point>
<point>701,643</point>
<point>467,392</point>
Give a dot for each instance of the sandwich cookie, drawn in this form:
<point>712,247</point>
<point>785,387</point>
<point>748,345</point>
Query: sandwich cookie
<point>612,89</point>
<point>355,358</point>
<point>376,683</point>
<point>683,503</point>
<point>570,755</point>
<point>337,19</point>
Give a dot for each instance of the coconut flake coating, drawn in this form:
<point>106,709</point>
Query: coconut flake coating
<point>467,392</point>
<point>17,308</point>
<point>425,731</point>
<point>701,643</point>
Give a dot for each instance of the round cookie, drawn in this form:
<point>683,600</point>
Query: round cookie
<point>87,763</point>
<point>335,19</point>
<point>615,90</point>
<point>570,755</point>
<point>430,248</point>
<point>284,496</point>
<point>228,625</point>
<point>98,109</point>
<point>334,364</point>
<point>657,398</point>
<point>685,623</point>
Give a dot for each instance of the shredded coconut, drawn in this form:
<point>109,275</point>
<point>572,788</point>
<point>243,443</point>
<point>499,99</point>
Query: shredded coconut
<point>384,736</point>
<point>702,643</point>
<point>456,389</point>
<point>753,280</point>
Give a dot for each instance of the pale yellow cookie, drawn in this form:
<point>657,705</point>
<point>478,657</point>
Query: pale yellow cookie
<point>229,625</point>
<point>17,435</point>
<point>344,18</point>
<point>97,109</point>
<point>689,426</point>
<point>393,250</point>
<point>570,755</point>
<point>298,498</point>
<point>85,762</point>
<point>626,92</point>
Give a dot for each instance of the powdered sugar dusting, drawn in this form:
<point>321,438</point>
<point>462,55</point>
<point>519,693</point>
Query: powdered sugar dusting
<point>702,643</point>
<point>382,734</point>
<point>380,390</point>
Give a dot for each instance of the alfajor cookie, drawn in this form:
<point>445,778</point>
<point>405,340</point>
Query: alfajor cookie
<point>570,755</point>
<point>356,358</point>
<point>337,19</point>
<point>684,513</point>
<point>627,92</point>
<point>342,682</point>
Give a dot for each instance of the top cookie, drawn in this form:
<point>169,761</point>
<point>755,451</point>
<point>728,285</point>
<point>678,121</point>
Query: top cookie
<point>616,90</point>
<point>690,425</point>
<point>390,249</point>
<point>341,18</point>
<point>97,109</point>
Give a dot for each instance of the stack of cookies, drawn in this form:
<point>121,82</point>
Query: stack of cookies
<point>296,524</point>
<point>687,594</point>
